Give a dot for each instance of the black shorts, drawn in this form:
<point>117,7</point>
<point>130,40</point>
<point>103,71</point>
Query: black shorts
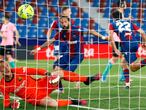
<point>118,45</point>
<point>6,50</point>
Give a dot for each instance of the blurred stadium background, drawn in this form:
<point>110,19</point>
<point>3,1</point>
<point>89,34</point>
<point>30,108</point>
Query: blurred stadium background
<point>90,14</point>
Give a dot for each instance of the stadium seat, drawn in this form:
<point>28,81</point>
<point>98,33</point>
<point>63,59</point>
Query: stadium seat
<point>95,3</point>
<point>41,33</point>
<point>43,22</point>
<point>32,32</point>
<point>22,31</point>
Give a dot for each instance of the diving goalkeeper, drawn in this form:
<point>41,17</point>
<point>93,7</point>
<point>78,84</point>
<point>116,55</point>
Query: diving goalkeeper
<point>19,81</point>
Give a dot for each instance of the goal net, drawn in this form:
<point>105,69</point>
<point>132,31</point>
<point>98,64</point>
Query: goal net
<point>88,15</point>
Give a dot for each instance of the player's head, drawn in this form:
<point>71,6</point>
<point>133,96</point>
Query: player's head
<point>64,21</point>
<point>116,15</point>
<point>4,68</point>
<point>66,11</point>
<point>5,19</point>
<point>122,4</point>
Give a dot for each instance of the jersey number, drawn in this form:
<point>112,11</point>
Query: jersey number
<point>123,26</point>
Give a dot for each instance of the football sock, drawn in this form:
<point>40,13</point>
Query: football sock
<point>90,79</point>
<point>60,86</point>
<point>74,77</point>
<point>143,62</point>
<point>126,74</point>
<point>12,64</point>
<point>106,71</point>
<point>122,77</point>
<point>62,102</point>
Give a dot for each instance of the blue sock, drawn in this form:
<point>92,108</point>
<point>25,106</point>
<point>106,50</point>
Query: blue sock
<point>126,75</point>
<point>143,62</point>
<point>122,77</point>
<point>12,64</point>
<point>106,71</point>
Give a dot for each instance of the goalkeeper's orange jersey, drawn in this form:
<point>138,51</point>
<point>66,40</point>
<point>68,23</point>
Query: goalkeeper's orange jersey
<point>26,87</point>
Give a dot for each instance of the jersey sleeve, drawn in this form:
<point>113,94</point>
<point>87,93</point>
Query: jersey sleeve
<point>56,37</point>
<point>135,27</point>
<point>54,25</point>
<point>111,27</point>
<point>6,97</point>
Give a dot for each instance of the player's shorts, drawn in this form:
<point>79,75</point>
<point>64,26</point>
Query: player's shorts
<point>118,45</point>
<point>6,50</point>
<point>43,89</point>
<point>130,55</point>
<point>69,63</point>
<point>59,48</point>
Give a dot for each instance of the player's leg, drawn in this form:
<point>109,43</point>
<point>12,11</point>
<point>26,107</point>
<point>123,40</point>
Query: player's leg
<point>60,64</point>
<point>126,73</point>
<point>108,67</point>
<point>137,65</point>
<point>47,101</point>
<point>9,56</point>
<point>73,64</point>
<point>123,63</point>
<point>74,77</point>
<point>130,58</point>
<point>2,52</point>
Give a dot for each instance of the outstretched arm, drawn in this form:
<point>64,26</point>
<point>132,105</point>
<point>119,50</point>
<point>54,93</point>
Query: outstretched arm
<point>46,44</point>
<point>98,35</point>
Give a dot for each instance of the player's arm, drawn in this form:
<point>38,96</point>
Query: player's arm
<point>17,36</point>
<point>46,44</point>
<point>6,97</point>
<point>98,35</point>
<point>141,31</point>
<point>14,29</point>
<point>53,26</point>
<point>111,33</point>
<point>142,34</point>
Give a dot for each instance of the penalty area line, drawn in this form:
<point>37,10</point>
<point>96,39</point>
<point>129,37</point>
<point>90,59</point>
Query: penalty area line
<point>84,107</point>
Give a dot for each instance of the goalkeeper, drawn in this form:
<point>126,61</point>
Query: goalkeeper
<point>20,82</point>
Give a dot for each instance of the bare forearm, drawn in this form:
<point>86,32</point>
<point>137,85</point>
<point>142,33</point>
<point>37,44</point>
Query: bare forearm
<point>47,43</point>
<point>49,33</point>
<point>98,35</point>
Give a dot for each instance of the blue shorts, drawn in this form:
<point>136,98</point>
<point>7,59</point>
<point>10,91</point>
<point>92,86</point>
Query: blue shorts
<point>130,55</point>
<point>60,48</point>
<point>69,63</point>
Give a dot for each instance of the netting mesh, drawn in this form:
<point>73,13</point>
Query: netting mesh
<point>88,15</point>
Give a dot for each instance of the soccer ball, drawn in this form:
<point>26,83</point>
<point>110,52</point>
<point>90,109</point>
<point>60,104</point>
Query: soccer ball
<point>25,11</point>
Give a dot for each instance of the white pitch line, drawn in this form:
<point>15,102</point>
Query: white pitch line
<point>78,106</point>
<point>89,108</point>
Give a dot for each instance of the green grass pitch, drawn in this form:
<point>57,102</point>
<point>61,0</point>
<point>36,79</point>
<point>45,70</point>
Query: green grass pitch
<point>109,95</point>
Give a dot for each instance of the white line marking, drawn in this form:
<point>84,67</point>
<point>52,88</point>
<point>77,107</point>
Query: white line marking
<point>89,108</point>
<point>78,106</point>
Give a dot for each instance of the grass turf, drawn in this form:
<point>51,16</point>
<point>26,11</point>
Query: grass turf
<point>109,95</point>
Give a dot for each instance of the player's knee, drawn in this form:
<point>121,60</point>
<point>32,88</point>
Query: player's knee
<point>133,69</point>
